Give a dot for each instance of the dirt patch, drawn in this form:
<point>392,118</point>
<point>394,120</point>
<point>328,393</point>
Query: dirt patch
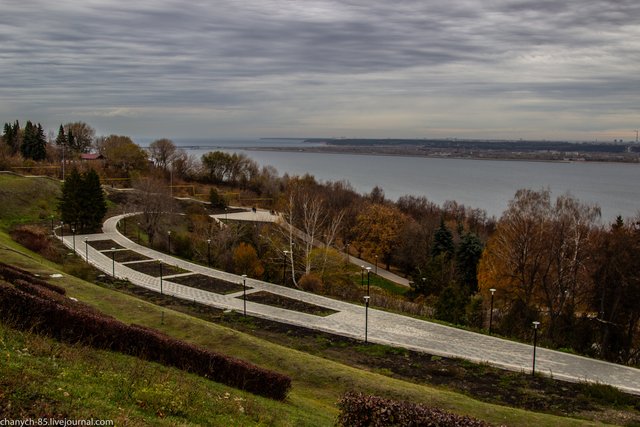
<point>155,268</point>
<point>104,245</point>
<point>274,300</point>
<point>126,256</point>
<point>207,283</point>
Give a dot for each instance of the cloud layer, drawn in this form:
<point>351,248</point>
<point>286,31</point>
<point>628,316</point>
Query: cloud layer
<point>462,68</point>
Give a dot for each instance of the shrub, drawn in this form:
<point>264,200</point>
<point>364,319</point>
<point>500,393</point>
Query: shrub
<point>28,306</point>
<point>358,409</point>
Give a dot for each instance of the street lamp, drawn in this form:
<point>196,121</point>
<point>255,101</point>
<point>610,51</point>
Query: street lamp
<point>376,256</point>
<point>424,285</point>
<point>244,292</point>
<point>362,275</point>
<point>226,218</point>
<point>73,230</point>
<point>138,233</point>
<point>347,245</point>
<point>52,229</point>
<point>160,264</point>
<point>86,248</point>
<point>113,262</point>
<point>284,266</point>
<point>62,231</point>
<point>208,252</point>
<point>493,291</point>
<point>169,234</point>
<point>535,342</point>
<point>368,279</point>
<point>366,317</point>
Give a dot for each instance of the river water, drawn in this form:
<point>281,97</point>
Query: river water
<point>485,184</point>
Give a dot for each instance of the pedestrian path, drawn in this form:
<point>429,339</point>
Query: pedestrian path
<point>349,319</point>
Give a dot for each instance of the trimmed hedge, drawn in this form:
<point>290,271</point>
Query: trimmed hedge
<point>27,307</point>
<point>360,410</point>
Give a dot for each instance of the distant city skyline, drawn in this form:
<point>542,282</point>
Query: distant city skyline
<point>496,69</point>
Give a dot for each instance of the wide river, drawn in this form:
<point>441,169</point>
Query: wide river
<point>485,184</point>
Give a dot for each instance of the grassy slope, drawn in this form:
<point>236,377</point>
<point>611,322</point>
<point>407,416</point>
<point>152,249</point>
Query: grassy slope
<point>317,383</point>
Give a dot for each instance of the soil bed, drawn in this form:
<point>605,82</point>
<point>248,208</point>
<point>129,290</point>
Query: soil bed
<point>207,283</point>
<point>274,300</point>
<point>126,256</point>
<point>104,245</point>
<point>152,268</point>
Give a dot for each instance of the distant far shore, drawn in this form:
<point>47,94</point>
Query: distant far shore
<point>458,150</point>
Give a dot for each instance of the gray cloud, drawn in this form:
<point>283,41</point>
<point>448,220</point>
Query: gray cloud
<point>290,66</point>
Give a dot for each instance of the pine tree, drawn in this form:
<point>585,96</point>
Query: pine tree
<point>70,201</point>
<point>61,139</point>
<point>11,136</point>
<point>82,203</point>
<point>94,202</point>
<point>39,149</point>
<point>443,241</point>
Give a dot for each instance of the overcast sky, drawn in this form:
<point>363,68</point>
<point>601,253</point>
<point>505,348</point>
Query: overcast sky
<point>566,69</point>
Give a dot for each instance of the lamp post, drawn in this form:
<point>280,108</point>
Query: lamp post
<point>62,231</point>
<point>366,318</point>
<point>368,279</point>
<point>169,234</point>
<point>86,248</point>
<point>52,229</point>
<point>113,262</point>
<point>124,225</point>
<point>73,230</point>
<point>493,291</point>
<point>138,233</point>
<point>362,275</point>
<point>535,342</point>
<point>284,266</point>
<point>424,285</point>
<point>226,218</point>
<point>244,293</point>
<point>208,252</point>
<point>160,264</point>
<point>376,264</point>
<point>347,245</point>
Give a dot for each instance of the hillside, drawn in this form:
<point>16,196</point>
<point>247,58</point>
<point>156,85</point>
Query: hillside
<point>48,377</point>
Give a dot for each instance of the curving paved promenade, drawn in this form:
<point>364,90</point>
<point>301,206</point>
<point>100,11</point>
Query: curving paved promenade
<point>383,327</point>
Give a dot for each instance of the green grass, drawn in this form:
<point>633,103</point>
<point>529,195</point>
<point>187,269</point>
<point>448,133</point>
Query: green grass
<point>377,281</point>
<point>27,200</point>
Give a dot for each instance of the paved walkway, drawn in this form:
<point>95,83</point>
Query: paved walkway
<point>383,327</point>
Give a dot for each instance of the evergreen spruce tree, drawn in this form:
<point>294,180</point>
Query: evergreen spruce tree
<point>443,241</point>
<point>11,136</point>
<point>28,140</point>
<point>94,202</point>
<point>61,139</point>
<point>70,202</point>
<point>39,149</point>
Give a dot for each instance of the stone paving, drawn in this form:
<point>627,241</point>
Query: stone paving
<point>383,327</point>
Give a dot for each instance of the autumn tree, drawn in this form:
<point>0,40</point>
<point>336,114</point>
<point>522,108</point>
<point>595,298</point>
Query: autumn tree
<point>122,155</point>
<point>616,292</point>
<point>538,258</point>
<point>80,136</point>
<point>162,152</point>
<point>377,230</point>
<point>245,261</point>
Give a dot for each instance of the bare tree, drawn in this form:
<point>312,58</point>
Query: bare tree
<point>162,152</point>
<point>152,199</point>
